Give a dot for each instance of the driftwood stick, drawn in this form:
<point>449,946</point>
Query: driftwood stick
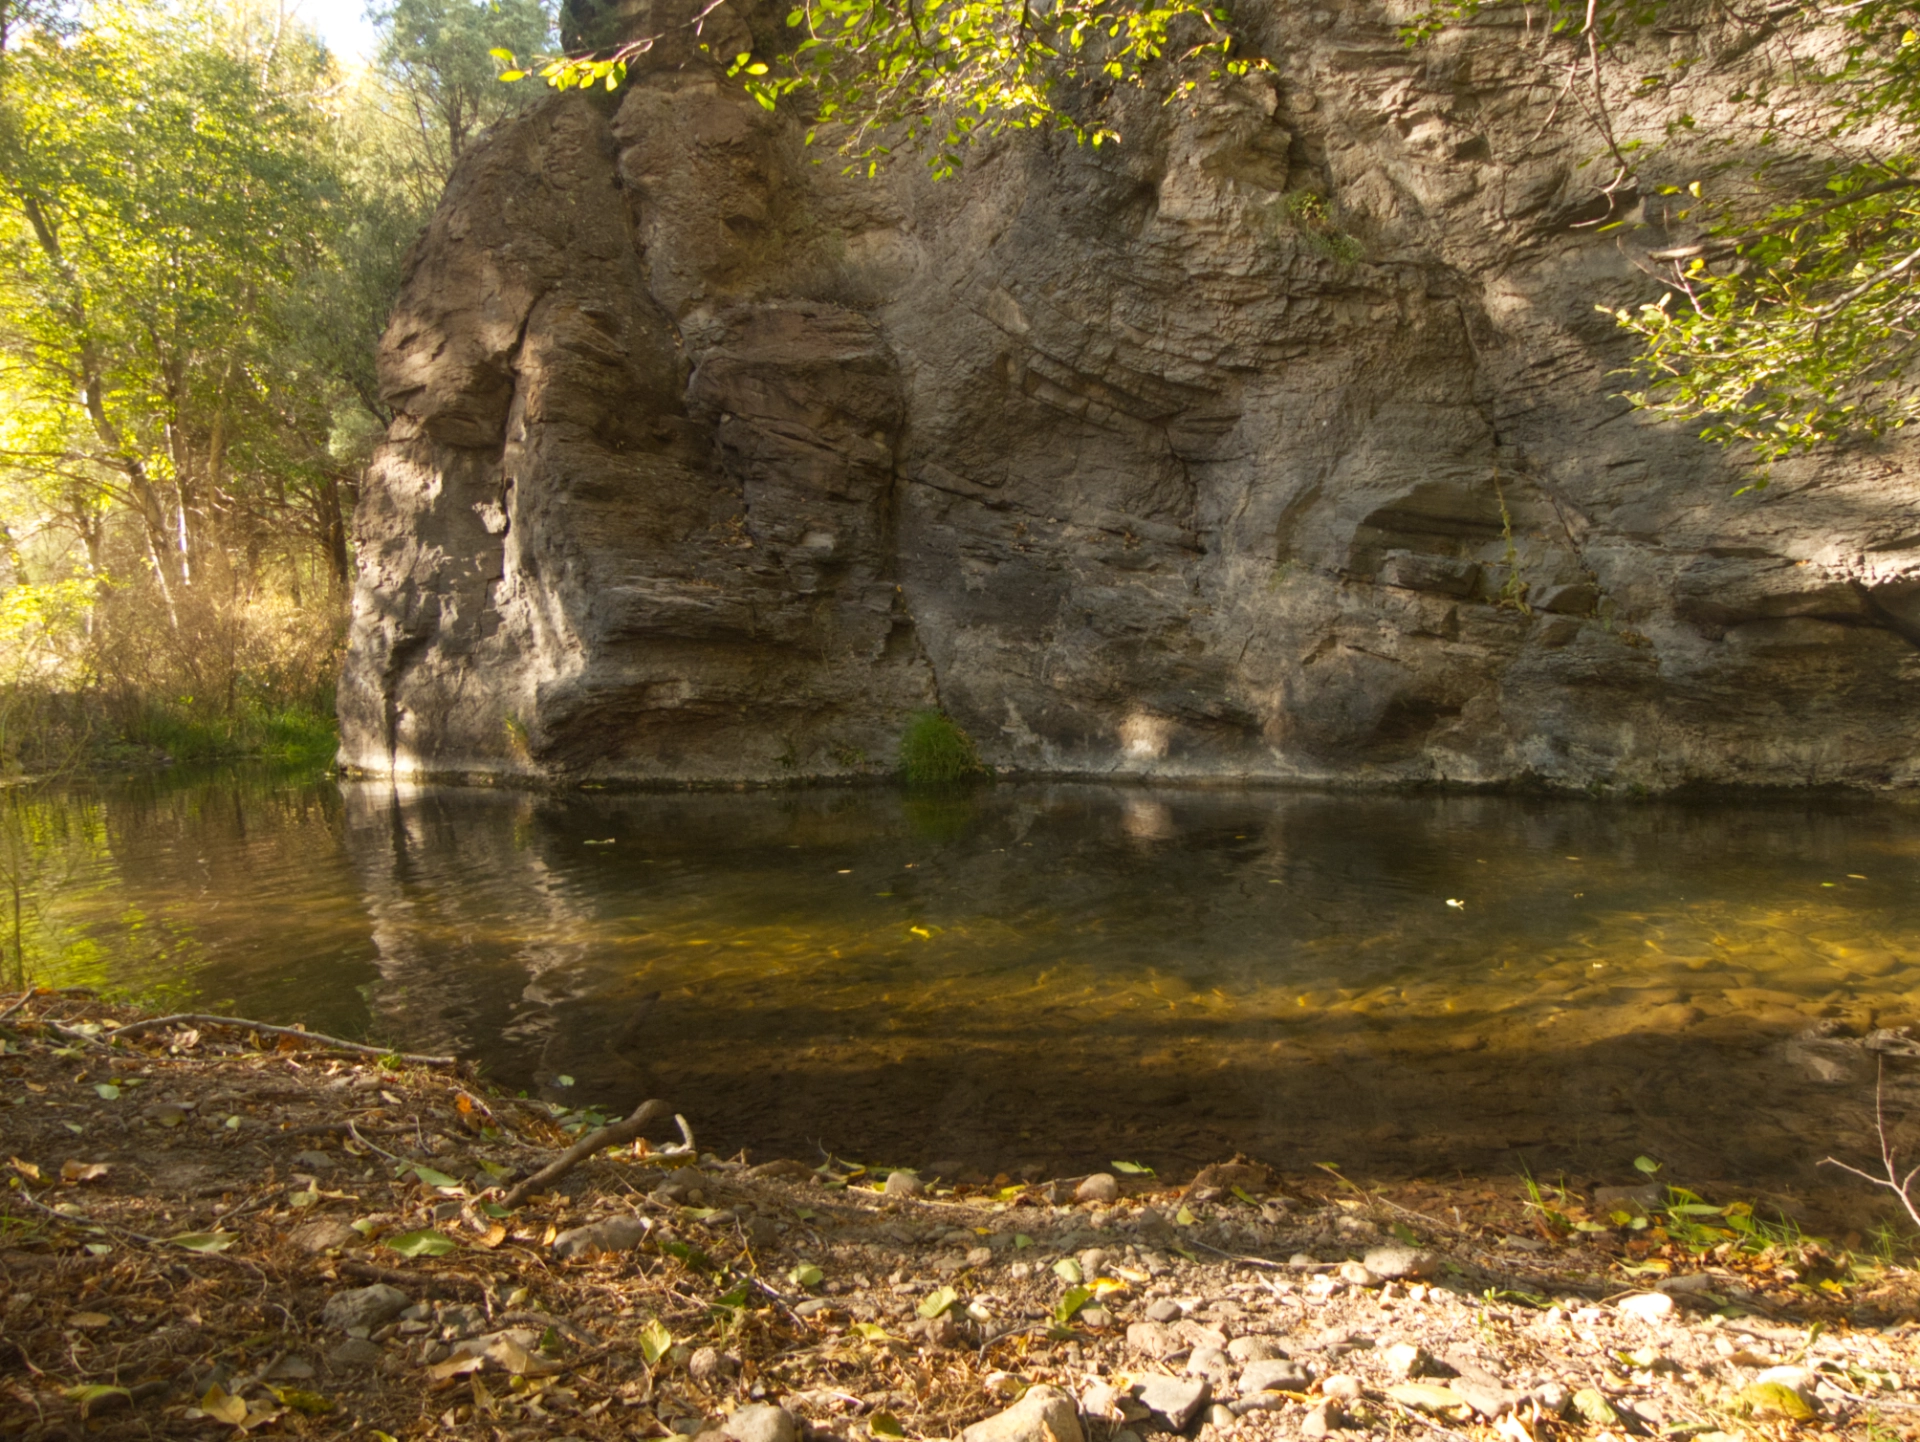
<point>612,1135</point>
<point>187,1018</point>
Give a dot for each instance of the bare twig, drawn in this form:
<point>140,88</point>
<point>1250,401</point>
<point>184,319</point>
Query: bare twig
<point>20,1001</point>
<point>612,1135</point>
<point>1901,1187</point>
<point>187,1018</point>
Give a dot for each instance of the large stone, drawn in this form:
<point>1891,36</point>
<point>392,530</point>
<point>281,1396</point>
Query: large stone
<point>711,463</point>
<point>1274,1375</point>
<point>1100,1187</point>
<point>762,1422</point>
<point>1175,1400</point>
<point>363,1307</point>
<point>1394,1264</point>
<point>1044,1414</point>
<point>613,1234</point>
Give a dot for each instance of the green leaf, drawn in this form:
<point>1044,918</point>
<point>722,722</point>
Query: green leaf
<point>1021,1241</point>
<point>1132,1169</point>
<point>806,1275</point>
<point>204,1241</point>
<point>1646,1164</point>
<point>107,1091</point>
<point>937,1301</point>
<point>655,1340</point>
<point>874,1332</point>
<point>93,1392</point>
<point>1068,1269</point>
<point>1071,1301</point>
<point>1184,1218</point>
<point>435,1179</point>
<point>687,1253</point>
<point>885,1424</point>
<point>425,1243</point>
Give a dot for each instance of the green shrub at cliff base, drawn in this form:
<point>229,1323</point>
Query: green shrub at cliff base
<point>934,751</point>
<point>945,74</point>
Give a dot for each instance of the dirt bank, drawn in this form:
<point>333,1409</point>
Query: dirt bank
<point>209,1228</point>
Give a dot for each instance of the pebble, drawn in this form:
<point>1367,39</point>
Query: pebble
<point>1261,1402</point>
<point>1396,1264</point>
<point>1098,1318</point>
<point>1211,1363</point>
<point>1164,1309</point>
<point>1428,1397</point>
<point>1553,1397</point>
<point>1274,1374</point>
<point>1221,1417</point>
<point>322,1236</point>
<point>1358,1274</point>
<point>1489,1399</point>
<point>762,1422</point>
<point>1175,1399</point>
<point>709,1365</point>
<point>1342,1386</point>
<point>1647,1306</point>
<point>980,1256</point>
<point>1100,1187</point>
<point>1322,1419</point>
<point>364,1307</point>
<point>615,1234</point>
<point>1252,1349</point>
<point>1045,1414</point>
<point>355,1352</point>
<point>1093,1262</point>
<point>1403,1359</point>
<point>904,1184</point>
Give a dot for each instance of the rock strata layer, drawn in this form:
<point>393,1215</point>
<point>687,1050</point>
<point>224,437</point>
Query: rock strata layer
<point>1280,441</point>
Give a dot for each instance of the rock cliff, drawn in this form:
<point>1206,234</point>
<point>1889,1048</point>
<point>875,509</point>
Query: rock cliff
<point>1280,441</point>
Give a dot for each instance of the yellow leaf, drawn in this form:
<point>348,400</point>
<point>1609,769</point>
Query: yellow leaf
<point>218,1405</point>
<point>26,1169</point>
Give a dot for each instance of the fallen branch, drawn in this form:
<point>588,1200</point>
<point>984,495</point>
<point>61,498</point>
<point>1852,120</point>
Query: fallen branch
<point>1901,1187</point>
<point>187,1018</point>
<point>612,1135</point>
<point>24,997</point>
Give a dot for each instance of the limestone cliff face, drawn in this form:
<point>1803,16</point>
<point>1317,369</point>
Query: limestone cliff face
<point>714,464</point>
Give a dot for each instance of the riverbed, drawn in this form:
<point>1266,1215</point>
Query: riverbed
<point>1043,979</point>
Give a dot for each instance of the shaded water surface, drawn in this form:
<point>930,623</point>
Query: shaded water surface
<point>1047,977</point>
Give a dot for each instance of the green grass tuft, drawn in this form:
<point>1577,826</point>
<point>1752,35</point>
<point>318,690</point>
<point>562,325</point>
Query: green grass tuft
<point>934,751</point>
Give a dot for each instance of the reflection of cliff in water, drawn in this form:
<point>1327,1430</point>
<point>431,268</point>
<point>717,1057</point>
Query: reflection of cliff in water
<point>1051,977</point>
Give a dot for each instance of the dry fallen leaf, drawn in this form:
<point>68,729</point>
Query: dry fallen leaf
<point>456,1367</point>
<point>496,1234</point>
<point>75,1171</point>
<point>26,1169</point>
<point>89,1320</point>
<point>223,1407</point>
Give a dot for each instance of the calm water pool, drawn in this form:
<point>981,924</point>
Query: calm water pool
<point>1044,977</point>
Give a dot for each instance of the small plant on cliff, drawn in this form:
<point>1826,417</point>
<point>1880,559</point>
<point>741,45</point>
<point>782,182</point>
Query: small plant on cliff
<point>1311,220</point>
<point>934,751</point>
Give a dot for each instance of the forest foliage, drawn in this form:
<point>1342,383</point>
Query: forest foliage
<point>203,221</point>
<point>204,217</point>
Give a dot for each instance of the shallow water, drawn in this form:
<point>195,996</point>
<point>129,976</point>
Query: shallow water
<point>1045,978</point>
